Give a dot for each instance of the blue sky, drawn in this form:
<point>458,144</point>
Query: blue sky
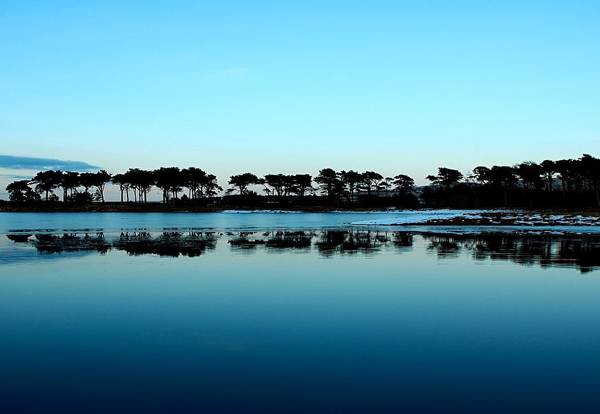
<point>294,87</point>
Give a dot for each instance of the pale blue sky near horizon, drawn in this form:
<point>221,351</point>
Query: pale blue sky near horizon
<point>294,87</point>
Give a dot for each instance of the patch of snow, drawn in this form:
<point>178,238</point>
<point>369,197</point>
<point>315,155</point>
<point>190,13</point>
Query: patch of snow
<point>419,216</point>
<point>520,221</point>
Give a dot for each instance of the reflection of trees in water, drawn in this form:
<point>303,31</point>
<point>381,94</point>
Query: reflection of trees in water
<point>275,240</point>
<point>242,240</point>
<point>582,252</point>
<point>328,242</point>
<point>19,238</point>
<point>245,243</point>
<point>169,243</point>
<point>352,241</point>
<point>402,239</point>
<point>290,240</point>
<point>445,246</point>
<point>52,243</point>
<point>174,242</point>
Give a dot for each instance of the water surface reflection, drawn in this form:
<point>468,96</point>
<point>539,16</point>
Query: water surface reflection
<point>299,321</point>
<point>580,252</point>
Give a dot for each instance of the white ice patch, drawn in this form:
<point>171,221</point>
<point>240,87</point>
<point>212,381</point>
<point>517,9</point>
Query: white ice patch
<point>420,216</point>
<point>508,221</point>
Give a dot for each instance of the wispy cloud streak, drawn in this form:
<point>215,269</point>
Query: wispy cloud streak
<point>30,163</point>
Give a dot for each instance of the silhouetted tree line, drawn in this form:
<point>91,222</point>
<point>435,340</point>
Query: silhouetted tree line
<point>134,185</point>
<point>75,186</point>
<point>562,183</point>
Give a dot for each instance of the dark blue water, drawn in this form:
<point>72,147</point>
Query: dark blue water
<point>297,321</point>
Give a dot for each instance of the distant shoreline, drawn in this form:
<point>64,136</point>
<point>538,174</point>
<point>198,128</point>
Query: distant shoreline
<point>157,208</point>
<point>103,208</point>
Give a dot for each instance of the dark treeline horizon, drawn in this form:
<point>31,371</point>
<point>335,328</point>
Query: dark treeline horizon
<point>570,183</point>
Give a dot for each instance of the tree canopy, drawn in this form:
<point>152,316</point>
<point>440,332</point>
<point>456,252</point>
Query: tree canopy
<point>564,182</point>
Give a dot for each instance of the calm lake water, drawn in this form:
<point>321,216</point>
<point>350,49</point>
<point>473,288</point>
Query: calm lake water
<point>291,313</point>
